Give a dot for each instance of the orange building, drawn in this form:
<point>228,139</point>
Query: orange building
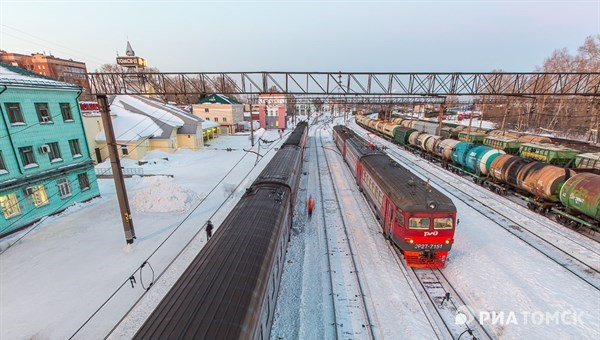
<point>68,71</point>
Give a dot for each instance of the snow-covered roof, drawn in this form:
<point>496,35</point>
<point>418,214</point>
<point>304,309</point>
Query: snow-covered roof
<point>158,112</point>
<point>139,117</point>
<point>129,126</point>
<point>207,124</point>
<point>15,76</point>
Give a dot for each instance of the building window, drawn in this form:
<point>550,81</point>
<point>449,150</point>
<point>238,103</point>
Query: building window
<point>84,182</point>
<point>224,119</point>
<point>15,116</point>
<point>216,119</point>
<point>3,169</point>
<point>65,109</point>
<point>124,150</point>
<point>64,190</point>
<point>54,153</point>
<point>27,157</point>
<point>207,118</point>
<point>39,196</point>
<point>75,150</point>
<point>43,112</point>
<point>10,205</point>
<point>206,110</point>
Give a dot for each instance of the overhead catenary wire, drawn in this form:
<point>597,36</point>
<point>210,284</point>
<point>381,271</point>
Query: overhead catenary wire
<point>169,236</point>
<point>71,182</point>
<point>122,134</point>
<point>60,208</point>
<point>78,52</point>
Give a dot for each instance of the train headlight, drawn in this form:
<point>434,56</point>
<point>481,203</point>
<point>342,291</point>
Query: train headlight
<point>408,240</point>
<point>448,241</point>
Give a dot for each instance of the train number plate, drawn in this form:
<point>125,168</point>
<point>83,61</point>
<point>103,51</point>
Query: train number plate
<point>428,246</point>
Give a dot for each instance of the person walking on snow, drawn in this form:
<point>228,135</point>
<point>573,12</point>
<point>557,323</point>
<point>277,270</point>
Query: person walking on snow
<point>209,229</point>
<point>310,204</point>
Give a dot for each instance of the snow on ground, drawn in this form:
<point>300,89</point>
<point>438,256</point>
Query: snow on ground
<point>161,195</point>
<point>59,274</point>
<point>304,310</point>
<point>499,275</point>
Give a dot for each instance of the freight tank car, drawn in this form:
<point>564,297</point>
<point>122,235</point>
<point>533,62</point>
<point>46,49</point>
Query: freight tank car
<point>229,290</point>
<point>581,197</point>
<point>416,217</point>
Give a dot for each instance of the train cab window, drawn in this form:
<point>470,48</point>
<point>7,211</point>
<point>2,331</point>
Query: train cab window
<point>442,223</point>
<point>418,223</point>
<point>399,218</point>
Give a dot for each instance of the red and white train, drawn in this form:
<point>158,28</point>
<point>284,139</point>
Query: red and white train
<point>416,217</point>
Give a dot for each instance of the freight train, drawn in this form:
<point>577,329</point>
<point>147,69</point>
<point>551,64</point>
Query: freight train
<point>540,177</point>
<point>230,289</point>
<point>533,147</point>
<point>416,217</point>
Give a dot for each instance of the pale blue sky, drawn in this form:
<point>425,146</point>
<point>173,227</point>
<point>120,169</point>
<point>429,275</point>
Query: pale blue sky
<point>386,36</point>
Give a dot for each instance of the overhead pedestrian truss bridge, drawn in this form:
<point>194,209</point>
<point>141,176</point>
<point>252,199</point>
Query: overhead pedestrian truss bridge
<point>349,83</point>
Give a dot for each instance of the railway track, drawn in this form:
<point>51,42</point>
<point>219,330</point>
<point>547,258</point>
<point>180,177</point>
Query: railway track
<point>351,317</point>
<point>447,303</point>
<point>429,293</point>
<point>558,248</point>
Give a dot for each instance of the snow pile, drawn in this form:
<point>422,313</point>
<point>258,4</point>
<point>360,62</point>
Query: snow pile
<point>161,195</point>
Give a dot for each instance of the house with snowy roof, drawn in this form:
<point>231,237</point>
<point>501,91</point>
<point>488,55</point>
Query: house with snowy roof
<point>143,124</point>
<point>45,166</point>
<point>218,108</point>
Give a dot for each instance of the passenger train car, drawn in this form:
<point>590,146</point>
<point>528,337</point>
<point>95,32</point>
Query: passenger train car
<point>416,217</point>
<point>230,289</point>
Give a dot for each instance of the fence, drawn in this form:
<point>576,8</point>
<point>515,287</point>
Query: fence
<point>127,172</point>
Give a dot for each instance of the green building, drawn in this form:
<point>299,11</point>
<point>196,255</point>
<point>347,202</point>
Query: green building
<point>45,165</point>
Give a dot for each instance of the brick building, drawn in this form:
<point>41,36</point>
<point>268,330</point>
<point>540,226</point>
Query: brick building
<point>65,70</point>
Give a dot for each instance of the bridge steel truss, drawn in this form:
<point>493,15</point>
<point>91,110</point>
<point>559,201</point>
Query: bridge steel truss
<point>349,83</point>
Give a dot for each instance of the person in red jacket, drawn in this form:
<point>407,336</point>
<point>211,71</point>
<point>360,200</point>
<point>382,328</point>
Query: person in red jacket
<point>310,203</point>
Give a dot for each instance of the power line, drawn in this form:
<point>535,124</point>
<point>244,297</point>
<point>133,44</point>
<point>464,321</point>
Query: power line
<point>169,236</point>
<point>60,208</point>
<point>48,41</point>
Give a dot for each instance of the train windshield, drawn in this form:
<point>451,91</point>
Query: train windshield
<point>418,223</point>
<point>442,223</point>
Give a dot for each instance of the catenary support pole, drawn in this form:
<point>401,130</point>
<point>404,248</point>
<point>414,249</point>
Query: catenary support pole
<point>115,163</point>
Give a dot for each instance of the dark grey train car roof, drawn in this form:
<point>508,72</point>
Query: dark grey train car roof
<point>407,190</point>
<point>362,148</point>
<point>239,254</point>
<point>343,132</point>
<point>296,135</point>
<point>395,180</point>
<point>286,161</point>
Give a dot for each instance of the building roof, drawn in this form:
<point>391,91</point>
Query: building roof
<point>139,117</point>
<point>18,77</point>
<point>217,99</point>
<point>129,51</point>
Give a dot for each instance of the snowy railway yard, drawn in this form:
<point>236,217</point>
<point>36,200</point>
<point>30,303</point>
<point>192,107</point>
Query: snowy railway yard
<point>510,274</point>
<point>534,277</point>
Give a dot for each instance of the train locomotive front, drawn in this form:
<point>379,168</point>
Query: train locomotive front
<point>416,217</point>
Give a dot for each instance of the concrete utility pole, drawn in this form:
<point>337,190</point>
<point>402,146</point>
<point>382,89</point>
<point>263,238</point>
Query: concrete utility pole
<point>482,111</point>
<point>251,125</point>
<point>506,112</point>
<point>440,118</point>
<point>115,163</point>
